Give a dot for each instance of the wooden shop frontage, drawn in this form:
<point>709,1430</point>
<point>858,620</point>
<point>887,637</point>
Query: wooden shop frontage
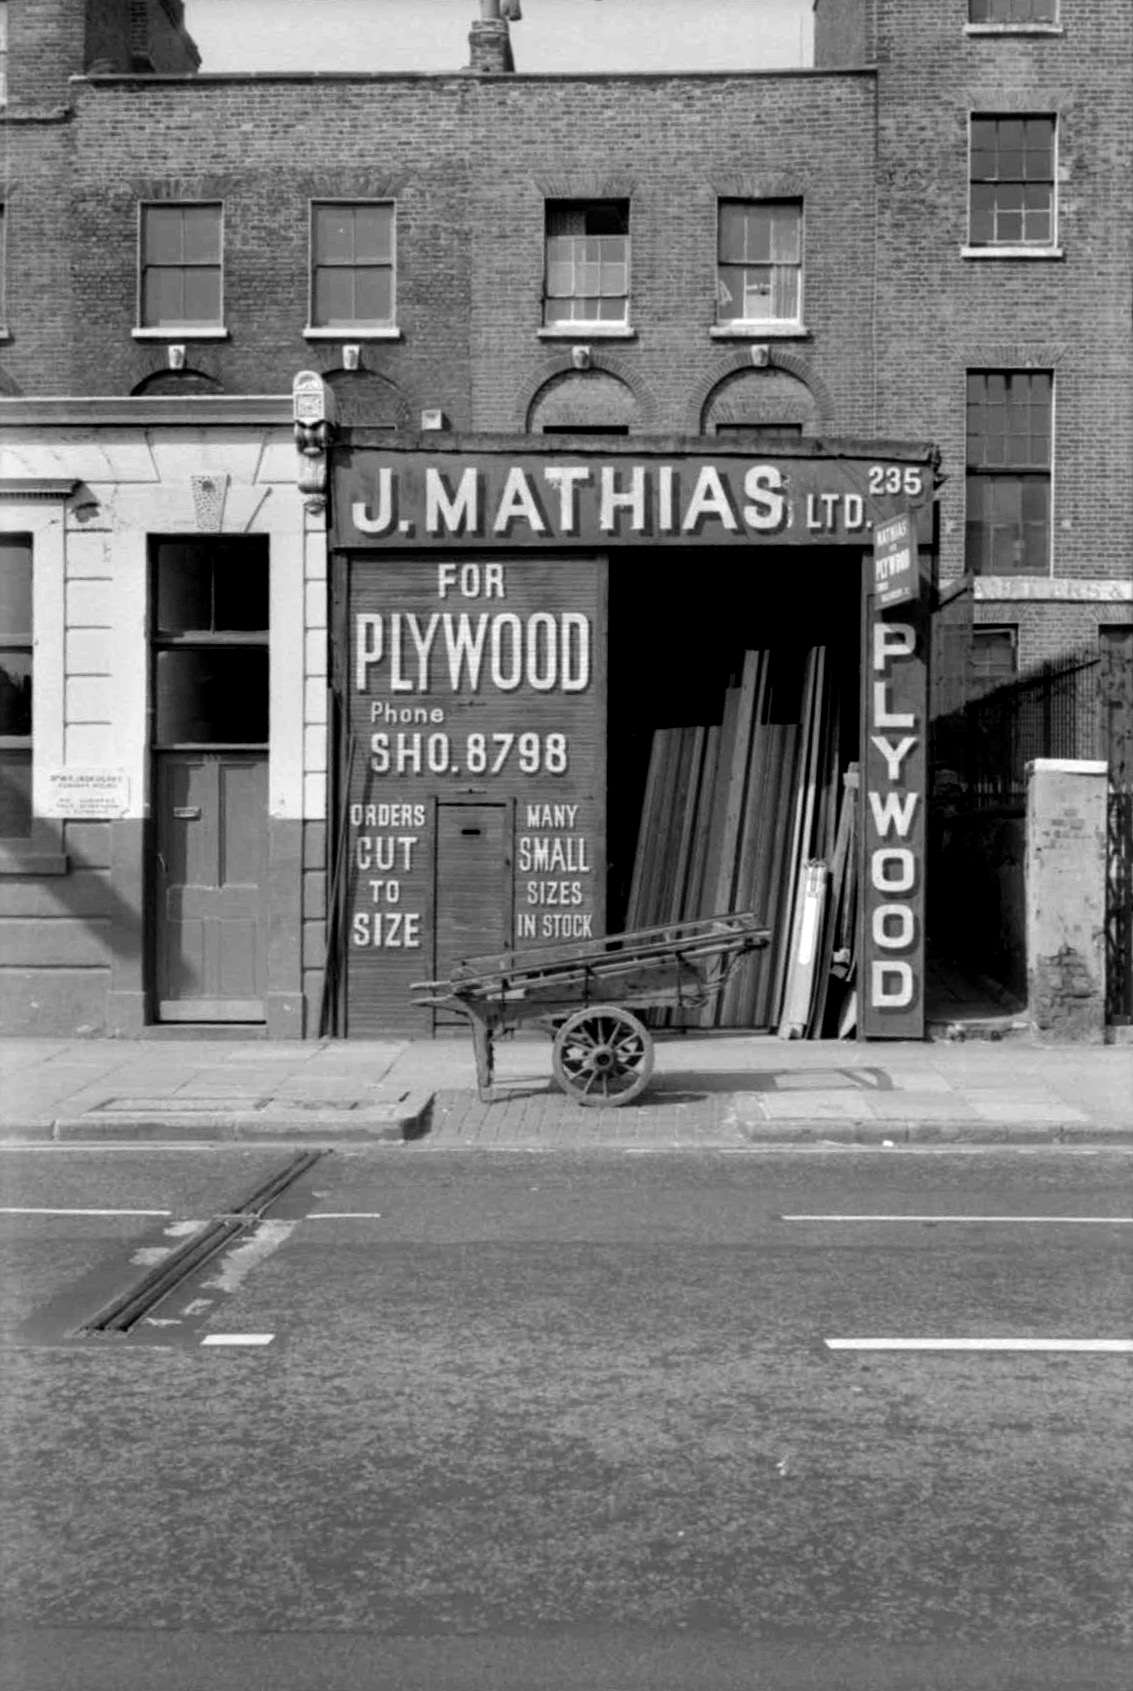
<point>577,691</point>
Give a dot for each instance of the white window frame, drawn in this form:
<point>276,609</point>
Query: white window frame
<point>350,331</point>
<point>1047,26</point>
<point>178,331</point>
<point>588,328</point>
<point>1025,250</point>
<point>759,328</point>
<point>37,509</point>
<point>1052,473</point>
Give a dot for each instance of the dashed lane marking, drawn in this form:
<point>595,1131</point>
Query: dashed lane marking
<point>238,1339</point>
<point>25,1209</point>
<point>344,1215</point>
<point>1110,1346</point>
<point>1034,1220</point>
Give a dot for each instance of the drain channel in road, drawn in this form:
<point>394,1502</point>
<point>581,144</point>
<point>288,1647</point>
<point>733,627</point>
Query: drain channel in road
<point>171,1300</point>
<point>123,1313</point>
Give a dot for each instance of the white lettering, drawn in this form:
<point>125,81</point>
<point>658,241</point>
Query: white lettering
<point>892,640</point>
<point>766,509</point>
<point>883,717</point>
<point>709,499</point>
<point>895,810</point>
<point>891,985</point>
<point>894,755</point>
<point>367,648</point>
<point>457,512</point>
<point>615,499</point>
<point>567,478</point>
<point>365,519</point>
<point>518,504</point>
<point>883,937</point>
<point>892,869</point>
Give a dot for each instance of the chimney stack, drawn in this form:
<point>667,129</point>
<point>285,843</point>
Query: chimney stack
<point>490,39</point>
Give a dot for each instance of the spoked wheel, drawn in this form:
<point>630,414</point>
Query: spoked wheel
<point>603,1055</point>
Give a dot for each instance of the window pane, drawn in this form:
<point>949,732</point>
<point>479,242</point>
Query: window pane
<point>15,794</point>
<point>183,597</point>
<point>202,235</point>
<point>162,298</point>
<point>334,234</point>
<point>373,296</point>
<point>161,229</point>
<point>201,294</point>
<point>334,297</point>
<point>785,230</point>
<point>15,692</point>
<point>15,587</point>
<point>373,234</point>
<point>205,696</point>
<point>785,294</point>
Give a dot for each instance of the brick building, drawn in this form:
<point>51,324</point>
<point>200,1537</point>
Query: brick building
<point>662,348</point>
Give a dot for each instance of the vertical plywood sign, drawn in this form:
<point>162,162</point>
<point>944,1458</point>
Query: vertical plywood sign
<point>895,723</point>
<point>478,683</point>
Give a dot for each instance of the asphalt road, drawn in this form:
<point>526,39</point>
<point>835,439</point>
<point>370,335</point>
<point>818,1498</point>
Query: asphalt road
<point>569,1420</point>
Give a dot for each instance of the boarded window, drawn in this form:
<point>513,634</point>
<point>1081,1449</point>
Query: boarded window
<point>1012,182</point>
<point>586,277</point>
<point>181,268</point>
<point>352,265</point>
<point>15,685</point>
<point>759,261</point>
<point>993,658</point>
<point>1009,472</point>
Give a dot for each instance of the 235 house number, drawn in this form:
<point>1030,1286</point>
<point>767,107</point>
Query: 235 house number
<point>896,478</point>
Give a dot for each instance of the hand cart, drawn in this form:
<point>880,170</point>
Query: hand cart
<point>603,1053</point>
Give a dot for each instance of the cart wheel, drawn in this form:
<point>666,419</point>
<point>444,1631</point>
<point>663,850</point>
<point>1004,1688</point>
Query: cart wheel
<point>603,1055</point>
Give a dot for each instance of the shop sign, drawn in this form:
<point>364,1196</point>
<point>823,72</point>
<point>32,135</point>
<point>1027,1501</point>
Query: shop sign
<point>893,827</point>
<point>896,568</point>
<point>386,499</point>
<point>88,795</point>
<point>479,684</point>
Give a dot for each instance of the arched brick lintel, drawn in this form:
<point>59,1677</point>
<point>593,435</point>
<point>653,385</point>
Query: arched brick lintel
<point>779,358</point>
<point>606,364</point>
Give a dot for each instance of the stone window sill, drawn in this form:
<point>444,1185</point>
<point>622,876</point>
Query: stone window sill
<point>583,332</point>
<point>168,333</point>
<point>1012,252</point>
<point>390,332</point>
<point>22,858</point>
<point>1013,29</point>
<point>759,332</point>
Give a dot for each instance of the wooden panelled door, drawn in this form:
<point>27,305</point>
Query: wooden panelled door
<point>210,885</point>
<point>210,658</point>
<point>473,884</point>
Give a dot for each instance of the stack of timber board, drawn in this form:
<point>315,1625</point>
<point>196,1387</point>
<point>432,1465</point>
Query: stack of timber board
<point>736,816</point>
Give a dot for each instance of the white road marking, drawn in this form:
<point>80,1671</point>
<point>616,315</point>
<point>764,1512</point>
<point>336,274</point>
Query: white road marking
<point>1119,1346</point>
<point>238,1339</point>
<point>13,1209</point>
<point>1035,1220</point>
<point>345,1215</point>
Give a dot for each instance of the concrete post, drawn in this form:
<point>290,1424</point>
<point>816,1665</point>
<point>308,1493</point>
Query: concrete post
<point>1065,879</point>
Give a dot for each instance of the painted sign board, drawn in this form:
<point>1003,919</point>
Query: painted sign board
<point>895,723</point>
<point>90,795</point>
<point>896,567</point>
<point>476,701</point>
<point>385,498</point>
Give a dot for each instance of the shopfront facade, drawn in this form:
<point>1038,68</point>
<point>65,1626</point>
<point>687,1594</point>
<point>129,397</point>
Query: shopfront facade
<point>517,626</point>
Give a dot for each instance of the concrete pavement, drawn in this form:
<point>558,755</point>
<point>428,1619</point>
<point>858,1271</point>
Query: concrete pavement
<point>711,1090</point>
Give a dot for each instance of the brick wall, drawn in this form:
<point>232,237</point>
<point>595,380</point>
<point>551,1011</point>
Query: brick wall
<point>470,163</point>
<point>940,314</point>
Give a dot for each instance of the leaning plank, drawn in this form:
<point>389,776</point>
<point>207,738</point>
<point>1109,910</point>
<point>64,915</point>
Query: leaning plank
<point>642,855</point>
<point>804,952</point>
